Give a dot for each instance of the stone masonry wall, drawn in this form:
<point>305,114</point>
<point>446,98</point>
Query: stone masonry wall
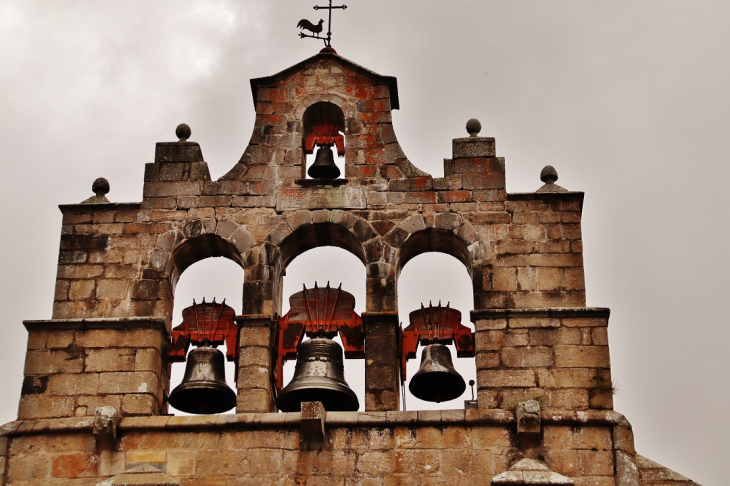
<point>394,448</point>
<point>121,260</point>
<point>74,367</point>
<point>558,357</point>
<point>106,343</point>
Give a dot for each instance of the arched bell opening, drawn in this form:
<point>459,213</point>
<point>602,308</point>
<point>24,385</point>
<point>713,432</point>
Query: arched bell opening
<point>199,248</point>
<point>201,357</point>
<point>441,284</point>
<point>323,142</point>
<point>319,266</point>
<point>318,235</point>
<point>435,240</point>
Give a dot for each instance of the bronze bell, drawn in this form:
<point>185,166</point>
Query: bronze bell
<point>437,380</point>
<point>324,164</point>
<point>319,376</point>
<point>203,388</point>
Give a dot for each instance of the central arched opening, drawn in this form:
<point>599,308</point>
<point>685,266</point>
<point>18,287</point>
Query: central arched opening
<point>337,266</point>
<point>319,235</point>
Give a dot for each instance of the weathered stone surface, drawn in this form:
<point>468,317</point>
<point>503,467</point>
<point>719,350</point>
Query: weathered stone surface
<point>143,475</point>
<point>581,356</point>
<point>473,147</point>
<point>527,357</point>
<point>530,472</point>
<point>626,471</point>
<point>325,198</point>
<point>505,378</point>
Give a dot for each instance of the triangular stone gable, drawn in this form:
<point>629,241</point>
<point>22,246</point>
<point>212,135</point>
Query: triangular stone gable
<point>333,57</point>
<point>652,473</point>
<point>143,475</point>
<point>530,472</point>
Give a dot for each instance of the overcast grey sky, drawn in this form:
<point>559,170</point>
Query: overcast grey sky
<point>627,99</point>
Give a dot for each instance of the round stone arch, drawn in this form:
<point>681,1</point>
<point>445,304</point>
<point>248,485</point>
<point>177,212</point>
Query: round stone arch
<point>304,230</point>
<point>197,248</point>
<point>303,104</point>
<point>449,234</point>
<point>435,239</point>
<point>317,235</point>
<point>442,232</point>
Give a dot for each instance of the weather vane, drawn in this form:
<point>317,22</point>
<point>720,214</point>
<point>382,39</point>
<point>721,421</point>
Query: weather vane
<point>316,29</point>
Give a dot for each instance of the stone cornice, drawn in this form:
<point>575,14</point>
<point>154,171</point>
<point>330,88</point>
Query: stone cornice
<point>94,208</point>
<point>253,421</point>
<point>155,323</point>
<point>554,312</point>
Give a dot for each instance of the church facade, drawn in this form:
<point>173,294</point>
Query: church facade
<point>94,406</point>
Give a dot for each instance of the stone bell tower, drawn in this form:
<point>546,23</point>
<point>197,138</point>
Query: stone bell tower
<point>94,408</point>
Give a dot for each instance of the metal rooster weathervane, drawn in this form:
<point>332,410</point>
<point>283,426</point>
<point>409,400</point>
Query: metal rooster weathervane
<point>316,29</point>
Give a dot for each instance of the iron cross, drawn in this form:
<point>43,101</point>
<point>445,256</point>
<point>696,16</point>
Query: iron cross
<point>316,29</point>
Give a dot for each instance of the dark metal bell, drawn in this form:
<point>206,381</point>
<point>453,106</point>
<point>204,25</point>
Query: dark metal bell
<point>324,165</point>
<point>437,380</point>
<point>203,388</point>
<point>319,376</point>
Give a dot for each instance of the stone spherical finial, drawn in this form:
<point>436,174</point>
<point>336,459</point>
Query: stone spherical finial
<point>100,187</point>
<point>548,174</point>
<point>473,127</point>
<point>183,132</point>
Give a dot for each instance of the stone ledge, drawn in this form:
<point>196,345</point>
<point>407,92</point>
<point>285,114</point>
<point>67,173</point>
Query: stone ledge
<point>545,196</point>
<point>554,312</point>
<point>154,323</point>
<point>42,426</point>
<point>95,208</point>
<point>588,417</point>
<point>425,418</point>
<point>320,182</point>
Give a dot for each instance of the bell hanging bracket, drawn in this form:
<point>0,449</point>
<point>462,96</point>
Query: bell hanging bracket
<point>324,134</point>
<point>204,324</point>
